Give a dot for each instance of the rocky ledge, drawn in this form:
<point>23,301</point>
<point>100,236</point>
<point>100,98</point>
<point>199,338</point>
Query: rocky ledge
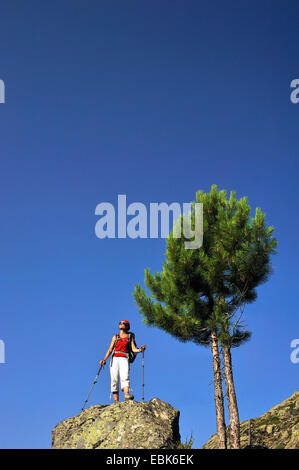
<point>278,428</point>
<point>122,425</point>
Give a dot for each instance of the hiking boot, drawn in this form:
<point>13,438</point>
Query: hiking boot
<point>129,397</point>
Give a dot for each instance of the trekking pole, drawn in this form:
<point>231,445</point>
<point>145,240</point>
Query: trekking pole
<point>143,375</point>
<point>94,382</point>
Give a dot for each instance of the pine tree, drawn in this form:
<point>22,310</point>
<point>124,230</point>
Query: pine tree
<point>246,248</point>
<point>197,295</point>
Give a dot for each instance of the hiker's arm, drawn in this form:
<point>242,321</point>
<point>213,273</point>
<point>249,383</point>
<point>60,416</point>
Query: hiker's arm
<point>103,362</point>
<point>134,347</point>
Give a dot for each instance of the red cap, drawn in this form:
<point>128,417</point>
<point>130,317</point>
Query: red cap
<point>127,323</point>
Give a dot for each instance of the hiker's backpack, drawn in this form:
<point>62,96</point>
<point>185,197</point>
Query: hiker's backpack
<point>132,355</point>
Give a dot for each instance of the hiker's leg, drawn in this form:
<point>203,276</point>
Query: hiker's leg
<point>114,372</point>
<point>124,368</point>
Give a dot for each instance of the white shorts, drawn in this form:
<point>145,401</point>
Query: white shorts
<point>120,368</point>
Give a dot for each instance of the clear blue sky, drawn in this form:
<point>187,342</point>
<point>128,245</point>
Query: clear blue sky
<point>155,100</point>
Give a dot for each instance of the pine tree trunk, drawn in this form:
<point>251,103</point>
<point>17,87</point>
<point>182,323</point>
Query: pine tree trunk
<point>234,422</point>
<point>218,395</point>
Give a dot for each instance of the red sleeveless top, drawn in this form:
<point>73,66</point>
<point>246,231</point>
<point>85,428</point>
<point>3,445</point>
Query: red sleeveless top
<point>122,346</point>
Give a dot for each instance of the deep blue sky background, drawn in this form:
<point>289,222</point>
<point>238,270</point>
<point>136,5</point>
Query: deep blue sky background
<point>154,100</point>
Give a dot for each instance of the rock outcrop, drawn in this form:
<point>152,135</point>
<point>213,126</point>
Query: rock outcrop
<point>123,425</point>
<point>276,429</point>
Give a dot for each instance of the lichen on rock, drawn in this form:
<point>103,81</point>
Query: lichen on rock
<point>122,425</point>
<point>278,428</point>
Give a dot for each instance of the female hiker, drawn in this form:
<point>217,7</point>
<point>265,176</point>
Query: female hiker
<point>121,347</point>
